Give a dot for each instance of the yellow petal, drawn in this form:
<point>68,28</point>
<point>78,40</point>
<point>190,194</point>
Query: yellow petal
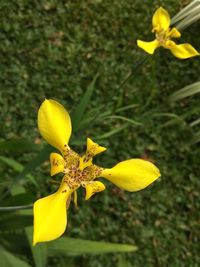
<point>161,20</point>
<point>57,163</point>
<point>93,148</point>
<point>50,215</point>
<point>148,47</point>
<point>84,162</point>
<point>92,188</point>
<point>54,124</point>
<point>174,33</point>
<point>182,51</point>
<point>132,174</point>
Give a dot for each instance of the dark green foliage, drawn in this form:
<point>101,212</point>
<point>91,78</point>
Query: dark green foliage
<point>54,49</point>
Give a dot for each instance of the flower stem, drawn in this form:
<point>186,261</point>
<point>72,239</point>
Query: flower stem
<point>12,208</point>
<point>137,67</point>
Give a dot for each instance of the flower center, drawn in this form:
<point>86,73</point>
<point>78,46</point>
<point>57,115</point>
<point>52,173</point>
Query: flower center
<point>162,36</point>
<point>79,169</point>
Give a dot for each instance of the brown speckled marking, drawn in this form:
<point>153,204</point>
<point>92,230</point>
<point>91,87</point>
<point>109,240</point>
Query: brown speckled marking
<point>73,175</point>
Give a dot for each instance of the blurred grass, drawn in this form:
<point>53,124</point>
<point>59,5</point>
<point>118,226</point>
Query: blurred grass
<point>54,49</point>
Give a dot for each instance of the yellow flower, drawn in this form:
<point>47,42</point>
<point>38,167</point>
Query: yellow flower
<point>50,213</point>
<point>164,34</point>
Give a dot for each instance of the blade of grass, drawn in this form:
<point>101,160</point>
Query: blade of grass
<point>19,146</point>
<point>196,138</point>
<point>73,246</point>
<point>188,90</point>
<point>17,167</point>
<point>124,119</point>
<point>126,108</point>
<point>9,260</point>
<point>112,132</point>
<point>195,122</point>
<point>39,159</point>
<point>39,252</point>
<point>78,113</point>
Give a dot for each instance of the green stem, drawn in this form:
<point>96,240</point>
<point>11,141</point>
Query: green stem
<point>137,67</point>
<point>25,207</point>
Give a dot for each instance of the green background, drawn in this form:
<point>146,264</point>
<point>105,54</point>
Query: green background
<point>53,49</point>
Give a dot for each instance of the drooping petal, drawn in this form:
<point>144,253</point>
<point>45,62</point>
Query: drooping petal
<point>57,163</point>
<point>93,148</point>
<point>182,51</point>
<point>148,47</point>
<point>50,215</point>
<point>160,20</point>
<point>54,124</point>
<point>92,188</point>
<point>132,174</point>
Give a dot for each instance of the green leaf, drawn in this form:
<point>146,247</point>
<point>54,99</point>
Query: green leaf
<point>126,108</point>
<point>18,167</point>
<point>15,221</point>
<point>123,119</point>
<point>19,146</point>
<point>9,260</point>
<point>12,163</point>
<point>39,159</point>
<point>189,90</point>
<point>112,132</point>
<point>196,138</point>
<point>91,117</point>
<point>195,122</point>
<point>78,113</point>
<point>39,252</point>
<point>73,246</point>
<point>122,262</point>
<point>19,199</point>
<point>174,119</point>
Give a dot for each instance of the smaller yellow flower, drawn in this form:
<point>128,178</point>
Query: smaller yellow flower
<point>50,212</point>
<point>164,34</point>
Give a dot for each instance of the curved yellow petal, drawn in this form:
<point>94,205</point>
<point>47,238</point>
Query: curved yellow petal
<point>182,51</point>
<point>92,188</point>
<point>174,33</point>
<point>132,174</point>
<point>160,20</point>
<point>54,124</point>
<point>50,215</point>
<point>93,148</point>
<point>148,47</point>
<point>57,163</point>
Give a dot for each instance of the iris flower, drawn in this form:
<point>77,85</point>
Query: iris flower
<point>164,34</point>
<point>50,213</point>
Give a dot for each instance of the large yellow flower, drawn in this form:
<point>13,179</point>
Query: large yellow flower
<point>50,213</point>
<point>164,34</point>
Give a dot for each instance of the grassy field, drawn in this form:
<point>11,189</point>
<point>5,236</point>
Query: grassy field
<point>53,49</point>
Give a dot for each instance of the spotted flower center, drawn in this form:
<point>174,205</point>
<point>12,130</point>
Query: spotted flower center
<point>163,36</point>
<point>78,170</point>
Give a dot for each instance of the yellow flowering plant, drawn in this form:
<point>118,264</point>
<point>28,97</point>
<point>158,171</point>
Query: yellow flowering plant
<point>164,35</point>
<point>50,213</point>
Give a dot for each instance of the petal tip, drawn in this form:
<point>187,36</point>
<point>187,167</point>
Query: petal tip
<point>54,123</point>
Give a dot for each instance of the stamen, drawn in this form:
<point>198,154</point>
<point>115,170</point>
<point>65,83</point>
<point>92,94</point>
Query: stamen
<point>78,169</point>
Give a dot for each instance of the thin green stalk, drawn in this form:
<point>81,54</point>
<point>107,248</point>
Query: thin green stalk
<point>12,208</point>
<point>136,68</point>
